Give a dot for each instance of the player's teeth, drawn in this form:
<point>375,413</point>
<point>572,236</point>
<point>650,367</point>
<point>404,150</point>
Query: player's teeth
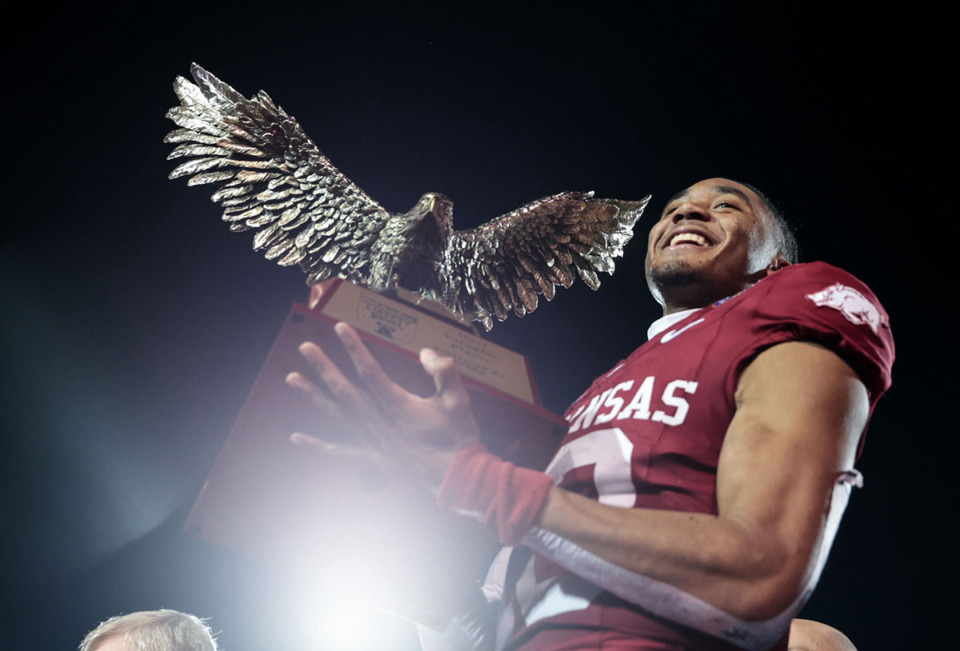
<point>693,238</point>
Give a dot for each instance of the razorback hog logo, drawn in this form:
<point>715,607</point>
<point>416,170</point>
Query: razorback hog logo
<point>856,307</point>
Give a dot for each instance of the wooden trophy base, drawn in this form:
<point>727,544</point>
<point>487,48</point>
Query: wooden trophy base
<point>310,513</point>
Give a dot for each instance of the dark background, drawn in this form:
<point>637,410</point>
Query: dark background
<point>134,323</point>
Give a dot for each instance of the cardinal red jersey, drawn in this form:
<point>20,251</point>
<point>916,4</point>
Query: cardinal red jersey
<point>649,432</point>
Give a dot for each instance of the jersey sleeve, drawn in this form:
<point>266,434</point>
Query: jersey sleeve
<point>823,304</point>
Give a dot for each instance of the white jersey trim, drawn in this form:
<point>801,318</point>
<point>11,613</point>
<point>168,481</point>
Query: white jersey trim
<point>668,321</point>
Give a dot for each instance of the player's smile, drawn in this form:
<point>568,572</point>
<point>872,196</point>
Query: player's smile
<point>686,237</point>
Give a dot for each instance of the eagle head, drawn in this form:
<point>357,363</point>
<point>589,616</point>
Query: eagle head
<point>436,209</point>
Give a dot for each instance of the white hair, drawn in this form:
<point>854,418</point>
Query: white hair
<point>153,630</point>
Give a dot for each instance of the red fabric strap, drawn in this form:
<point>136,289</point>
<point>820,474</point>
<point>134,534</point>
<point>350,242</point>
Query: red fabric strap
<point>505,498</point>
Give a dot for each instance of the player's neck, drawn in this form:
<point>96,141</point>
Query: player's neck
<point>675,307</point>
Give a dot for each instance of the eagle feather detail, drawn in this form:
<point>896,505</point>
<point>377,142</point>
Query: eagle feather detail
<point>270,177</point>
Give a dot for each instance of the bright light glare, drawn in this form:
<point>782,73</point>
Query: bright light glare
<point>338,616</point>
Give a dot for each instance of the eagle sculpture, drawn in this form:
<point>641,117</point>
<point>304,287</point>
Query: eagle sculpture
<point>271,177</point>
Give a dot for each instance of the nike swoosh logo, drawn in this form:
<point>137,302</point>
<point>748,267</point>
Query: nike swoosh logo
<point>675,333</point>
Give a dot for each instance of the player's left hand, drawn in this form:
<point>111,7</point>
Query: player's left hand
<point>393,424</point>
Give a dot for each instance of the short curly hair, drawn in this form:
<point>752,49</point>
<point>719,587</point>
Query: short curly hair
<point>786,235</point>
<point>153,630</point>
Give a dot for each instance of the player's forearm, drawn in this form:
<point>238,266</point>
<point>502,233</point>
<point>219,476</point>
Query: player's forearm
<point>739,570</point>
<point>724,562</point>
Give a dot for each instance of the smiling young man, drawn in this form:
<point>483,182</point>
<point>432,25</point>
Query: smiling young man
<point>714,239</point>
<point>695,496</point>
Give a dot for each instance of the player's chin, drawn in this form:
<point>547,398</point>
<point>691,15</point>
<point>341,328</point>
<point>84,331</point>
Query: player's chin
<point>675,273</point>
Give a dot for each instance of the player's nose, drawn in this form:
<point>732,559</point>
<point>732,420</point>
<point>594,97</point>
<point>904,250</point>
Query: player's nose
<point>689,210</point>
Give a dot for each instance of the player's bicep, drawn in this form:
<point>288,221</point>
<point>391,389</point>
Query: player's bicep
<point>800,413</point>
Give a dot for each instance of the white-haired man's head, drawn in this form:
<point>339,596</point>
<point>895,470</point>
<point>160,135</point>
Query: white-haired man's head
<point>151,630</point>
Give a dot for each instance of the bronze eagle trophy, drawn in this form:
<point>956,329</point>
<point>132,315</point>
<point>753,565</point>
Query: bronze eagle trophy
<point>271,177</point>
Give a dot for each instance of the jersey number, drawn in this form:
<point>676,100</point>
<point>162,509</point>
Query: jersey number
<point>609,451</point>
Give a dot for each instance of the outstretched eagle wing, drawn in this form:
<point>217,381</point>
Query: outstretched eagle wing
<point>504,264</point>
<point>271,177</point>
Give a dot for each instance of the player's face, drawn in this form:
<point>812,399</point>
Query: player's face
<point>713,240</point>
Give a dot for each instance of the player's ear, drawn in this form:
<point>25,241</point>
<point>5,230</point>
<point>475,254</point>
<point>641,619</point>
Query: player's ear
<point>779,262</point>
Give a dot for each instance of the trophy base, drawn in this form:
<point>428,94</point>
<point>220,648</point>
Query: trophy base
<point>307,512</point>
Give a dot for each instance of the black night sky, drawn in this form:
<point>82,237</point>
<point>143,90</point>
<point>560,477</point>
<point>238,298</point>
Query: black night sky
<point>134,322</point>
